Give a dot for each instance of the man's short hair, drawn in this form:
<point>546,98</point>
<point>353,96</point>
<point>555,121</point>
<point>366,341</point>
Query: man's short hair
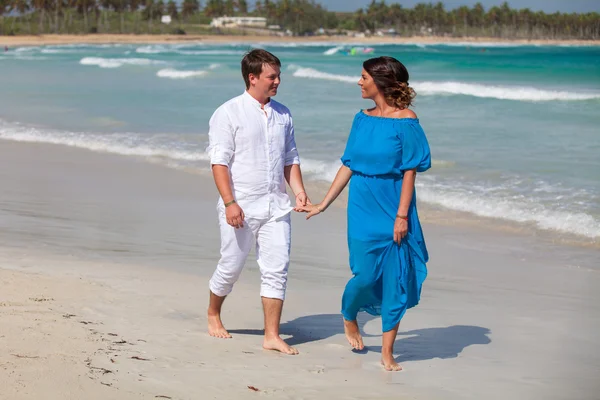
<point>253,62</point>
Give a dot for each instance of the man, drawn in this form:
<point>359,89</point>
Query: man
<point>253,152</point>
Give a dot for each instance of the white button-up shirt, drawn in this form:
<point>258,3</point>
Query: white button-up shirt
<point>256,145</point>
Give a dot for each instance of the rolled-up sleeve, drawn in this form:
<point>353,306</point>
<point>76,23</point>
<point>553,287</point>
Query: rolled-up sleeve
<point>291,152</point>
<point>221,139</point>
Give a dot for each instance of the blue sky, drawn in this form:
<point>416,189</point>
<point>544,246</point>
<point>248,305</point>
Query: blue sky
<point>548,6</point>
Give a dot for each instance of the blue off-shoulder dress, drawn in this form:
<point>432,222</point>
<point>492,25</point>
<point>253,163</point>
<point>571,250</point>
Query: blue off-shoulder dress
<point>387,277</point>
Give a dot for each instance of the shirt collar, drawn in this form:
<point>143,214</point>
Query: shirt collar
<point>255,102</point>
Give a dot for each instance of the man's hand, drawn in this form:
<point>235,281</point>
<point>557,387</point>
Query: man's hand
<point>234,216</point>
<point>301,201</point>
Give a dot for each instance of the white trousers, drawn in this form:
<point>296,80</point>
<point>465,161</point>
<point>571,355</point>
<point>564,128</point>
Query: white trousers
<point>273,241</point>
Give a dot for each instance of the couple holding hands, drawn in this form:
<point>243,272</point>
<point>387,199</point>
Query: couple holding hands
<point>253,154</point>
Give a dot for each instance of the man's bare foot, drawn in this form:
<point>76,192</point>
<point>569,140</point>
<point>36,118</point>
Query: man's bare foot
<point>353,334</point>
<point>216,328</point>
<point>276,343</point>
<point>388,362</point>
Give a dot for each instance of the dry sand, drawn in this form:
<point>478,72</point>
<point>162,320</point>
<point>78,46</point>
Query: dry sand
<point>104,262</point>
<point>40,40</point>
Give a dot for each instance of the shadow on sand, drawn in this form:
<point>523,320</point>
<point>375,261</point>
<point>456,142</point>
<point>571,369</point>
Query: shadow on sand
<point>415,345</point>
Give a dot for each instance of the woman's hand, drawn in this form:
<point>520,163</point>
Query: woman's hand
<point>311,209</point>
<point>400,229</point>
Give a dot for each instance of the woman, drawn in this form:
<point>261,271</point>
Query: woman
<point>385,150</point>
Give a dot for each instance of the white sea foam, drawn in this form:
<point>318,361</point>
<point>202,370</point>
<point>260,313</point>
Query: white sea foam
<point>311,73</point>
<point>320,170</point>
<point>26,49</point>
<point>118,62</point>
<point>517,93</point>
<point>127,144</point>
<point>86,45</point>
<point>211,52</point>
<point>480,44</point>
<point>24,54</point>
<point>27,57</point>
<point>152,49</point>
<point>325,171</point>
<point>294,44</point>
<point>478,199</point>
<point>177,74</point>
<point>172,73</point>
<point>511,209</point>
<point>475,201</point>
<point>59,51</point>
<point>333,50</point>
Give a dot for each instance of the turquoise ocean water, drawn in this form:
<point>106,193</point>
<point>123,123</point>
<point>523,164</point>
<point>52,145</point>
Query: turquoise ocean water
<point>514,130</point>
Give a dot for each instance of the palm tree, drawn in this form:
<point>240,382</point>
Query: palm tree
<point>439,18</point>
<point>395,15</point>
<point>242,7</point>
<point>477,16</point>
<point>81,8</point>
<point>21,7</point>
<point>5,8</point>
<point>133,6</point>
<point>214,8</point>
<point>148,13</point>
<point>269,9</point>
<point>189,7</point>
<point>119,6</point>
<point>43,6</point>
<point>172,10</point>
<point>159,9</point>
<point>462,14</point>
<point>105,6</point>
<point>258,7</point>
<point>229,8</point>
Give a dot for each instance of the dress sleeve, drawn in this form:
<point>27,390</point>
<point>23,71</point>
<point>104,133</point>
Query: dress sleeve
<point>415,148</point>
<point>347,156</point>
<point>221,139</point>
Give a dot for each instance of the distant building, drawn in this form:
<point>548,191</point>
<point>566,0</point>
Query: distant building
<point>234,22</point>
<point>387,32</point>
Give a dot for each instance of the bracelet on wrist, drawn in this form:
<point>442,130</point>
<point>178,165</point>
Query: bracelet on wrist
<point>404,217</point>
<point>230,203</point>
<point>300,193</point>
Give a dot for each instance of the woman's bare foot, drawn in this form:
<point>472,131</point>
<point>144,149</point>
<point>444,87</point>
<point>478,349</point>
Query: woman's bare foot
<point>216,328</point>
<point>388,362</point>
<point>353,334</point>
<point>276,343</point>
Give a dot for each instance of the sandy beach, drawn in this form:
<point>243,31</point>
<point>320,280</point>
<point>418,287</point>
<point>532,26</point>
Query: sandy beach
<point>40,40</point>
<point>104,263</point>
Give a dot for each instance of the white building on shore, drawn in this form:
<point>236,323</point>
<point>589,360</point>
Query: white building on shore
<point>234,22</point>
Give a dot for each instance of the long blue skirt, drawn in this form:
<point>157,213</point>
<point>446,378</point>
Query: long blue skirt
<point>387,277</point>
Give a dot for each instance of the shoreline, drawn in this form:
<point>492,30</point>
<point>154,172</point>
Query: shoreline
<point>59,39</point>
<point>429,213</point>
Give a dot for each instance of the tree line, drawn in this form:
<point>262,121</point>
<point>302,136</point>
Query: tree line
<point>301,17</point>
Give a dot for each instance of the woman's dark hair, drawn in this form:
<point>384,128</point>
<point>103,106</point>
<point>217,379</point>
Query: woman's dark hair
<point>391,78</point>
<point>253,62</point>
